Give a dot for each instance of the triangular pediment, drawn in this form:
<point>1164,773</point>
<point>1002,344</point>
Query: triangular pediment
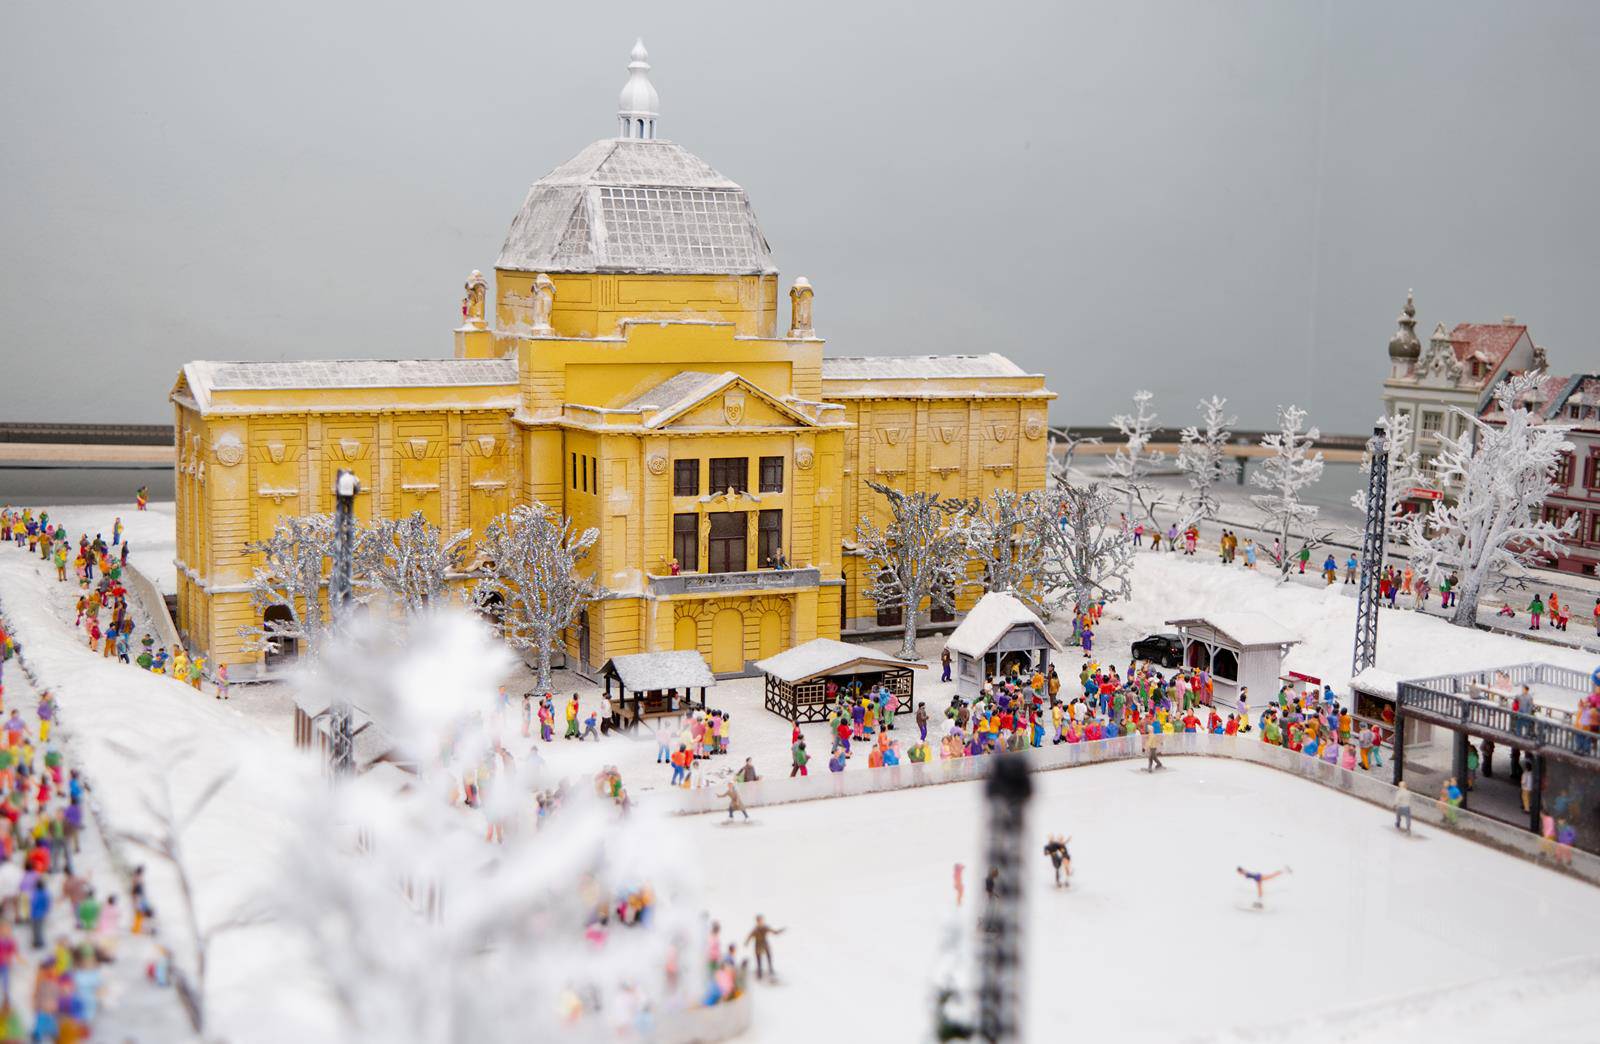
<point>727,400</point>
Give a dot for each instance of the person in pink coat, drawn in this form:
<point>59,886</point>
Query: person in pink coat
<point>1347,759</point>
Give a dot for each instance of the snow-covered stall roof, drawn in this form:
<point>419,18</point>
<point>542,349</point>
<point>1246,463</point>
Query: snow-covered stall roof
<point>1377,681</point>
<point>927,367</point>
<point>676,669</point>
<point>636,205</point>
<point>1245,629</point>
<point>995,614</point>
<point>822,656</point>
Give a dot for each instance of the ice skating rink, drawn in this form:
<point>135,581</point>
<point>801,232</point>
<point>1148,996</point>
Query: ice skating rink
<point>1155,938</point>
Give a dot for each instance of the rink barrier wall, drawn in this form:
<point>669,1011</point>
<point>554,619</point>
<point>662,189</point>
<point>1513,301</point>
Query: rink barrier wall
<point>155,606</point>
<point>856,782</point>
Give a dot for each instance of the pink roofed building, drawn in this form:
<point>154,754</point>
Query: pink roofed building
<point>1572,401</point>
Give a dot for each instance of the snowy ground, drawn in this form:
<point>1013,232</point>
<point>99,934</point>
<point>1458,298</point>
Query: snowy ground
<point>186,740</point>
<point>151,534</point>
<point>1155,939</point>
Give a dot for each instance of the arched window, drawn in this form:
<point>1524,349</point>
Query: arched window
<point>280,650</point>
<point>641,128</point>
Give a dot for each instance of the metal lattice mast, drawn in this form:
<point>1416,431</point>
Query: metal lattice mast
<point>345,488</point>
<point>1372,541</point>
<point>1000,955</point>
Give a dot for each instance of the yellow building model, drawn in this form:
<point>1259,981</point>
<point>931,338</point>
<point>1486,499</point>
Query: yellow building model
<point>635,378</point>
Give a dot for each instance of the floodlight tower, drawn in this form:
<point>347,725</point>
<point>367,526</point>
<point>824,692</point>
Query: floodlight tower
<point>1372,541</point>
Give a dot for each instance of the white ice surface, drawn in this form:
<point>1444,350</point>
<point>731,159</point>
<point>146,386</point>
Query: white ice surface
<point>1155,938</point>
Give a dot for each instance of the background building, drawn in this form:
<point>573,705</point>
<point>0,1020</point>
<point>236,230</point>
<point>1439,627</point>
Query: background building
<point>635,376</point>
<point>1457,368</point>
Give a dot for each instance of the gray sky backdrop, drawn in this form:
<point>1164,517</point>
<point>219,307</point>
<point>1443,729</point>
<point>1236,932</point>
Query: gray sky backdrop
<point>1193,197</point>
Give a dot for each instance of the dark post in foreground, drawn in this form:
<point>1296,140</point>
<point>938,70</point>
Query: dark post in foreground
<point>1000,951</point>
<point>1372,540</point>
<point>345,488</point>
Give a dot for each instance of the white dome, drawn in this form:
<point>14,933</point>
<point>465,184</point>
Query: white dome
<point>638,100</point>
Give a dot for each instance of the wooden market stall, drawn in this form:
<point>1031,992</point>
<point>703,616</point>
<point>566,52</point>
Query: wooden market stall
<point>999,633</point>
<point>657,686</point>
<point>802,683</point>
<point>1240,650</point>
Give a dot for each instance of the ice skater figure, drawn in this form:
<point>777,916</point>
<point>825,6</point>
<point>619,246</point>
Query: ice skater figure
<point>758,937</point>
<point>1060,858</point>
<point>735,804</point>
<point>1402,806</point>
<point>1259,879</point>
<point>960,886</point>
<point>1152,751</point>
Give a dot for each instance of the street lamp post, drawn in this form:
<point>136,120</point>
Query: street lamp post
<point>345,488</point>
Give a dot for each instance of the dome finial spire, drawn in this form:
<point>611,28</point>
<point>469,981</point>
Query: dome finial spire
<point>1404,348</point>
<point>638,106</point>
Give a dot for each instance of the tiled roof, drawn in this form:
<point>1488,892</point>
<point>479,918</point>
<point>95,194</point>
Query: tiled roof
<point>672,390</point>
<point>1490,341</point>
<point>352,373</point>
<point>860,368</point>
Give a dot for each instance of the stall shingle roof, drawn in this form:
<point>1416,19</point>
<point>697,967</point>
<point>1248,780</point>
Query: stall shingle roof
<point>675,669</point>
<point>822,656</point>
<point>989,620</point>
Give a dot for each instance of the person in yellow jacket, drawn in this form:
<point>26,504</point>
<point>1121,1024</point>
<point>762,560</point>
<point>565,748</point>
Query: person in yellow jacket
<point>180,663</point>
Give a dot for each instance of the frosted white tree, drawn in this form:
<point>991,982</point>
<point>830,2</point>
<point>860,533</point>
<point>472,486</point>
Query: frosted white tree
<point>411,562</point>
<point>1133,460</point>
<point>419,929</point>
<point>1405,473</point>
<point>1002,533</point>
<point>1203,459</point>
<point>1083,552</point>
<point>165,839</point>
<point>1292,467</point>
<point>920,554</point>
<point>531,559</point>
<point>1063,448</point>
<point>290,580</point>
<point>1493,526</point>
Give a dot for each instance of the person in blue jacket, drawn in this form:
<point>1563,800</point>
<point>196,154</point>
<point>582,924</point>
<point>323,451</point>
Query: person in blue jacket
<point>836,763</point>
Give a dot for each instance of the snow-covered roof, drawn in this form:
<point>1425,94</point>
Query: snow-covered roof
<point>927,367</point>
<point>676,669</point>
<point>995,614</point>
<point>1245,629</point>
<point>691,385</point>
<point>636,205</point>
<point>822,656</point>
<point>206,377</point>
<point>1377,681</point>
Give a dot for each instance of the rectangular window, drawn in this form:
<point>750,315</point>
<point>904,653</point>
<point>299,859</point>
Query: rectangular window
<point>686,541</point>
<point>1431,422</point>
<point>728,541</point>
<point>1594,527</point>
<point>772,474</point>
<point>1564,470</point>
<point>769,540</point>
<point>574,471</point>
<point>1591,472</point>
<point>594,474</point>
<point>583,473</point>
<point>686,478</point>
<point>730,473</point>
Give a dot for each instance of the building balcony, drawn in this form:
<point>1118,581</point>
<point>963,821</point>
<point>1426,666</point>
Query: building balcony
<point>715,583</point>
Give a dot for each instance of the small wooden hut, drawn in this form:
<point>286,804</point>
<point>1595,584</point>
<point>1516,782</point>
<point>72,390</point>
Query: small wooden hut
<point>803,682</point>
<point>657,686</point>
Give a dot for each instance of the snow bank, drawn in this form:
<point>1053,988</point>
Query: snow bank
<point>257,989</point>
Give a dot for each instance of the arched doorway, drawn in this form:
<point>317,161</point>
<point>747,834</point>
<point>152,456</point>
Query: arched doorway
<point>686,634</point>
<point>279,650</point>
<point>727,642</point>
<point>771,634</point>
